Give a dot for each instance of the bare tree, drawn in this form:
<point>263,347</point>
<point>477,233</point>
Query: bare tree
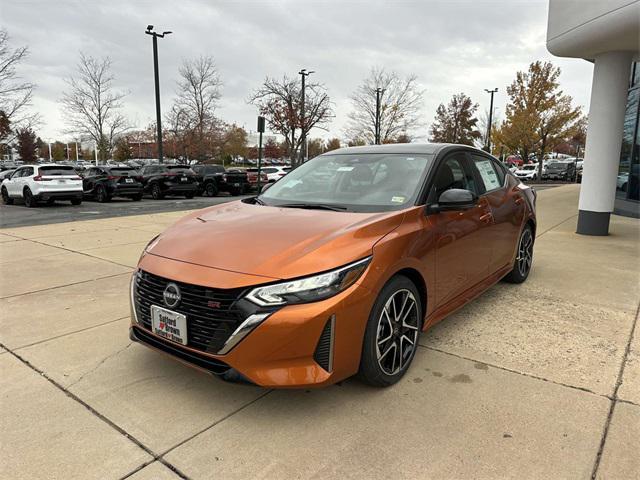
<point>400,104</point>
<point>280,102</point>
<point>483,127</point>
<point>15,94</point>
<point>92,105</point>
<point>193,112</point>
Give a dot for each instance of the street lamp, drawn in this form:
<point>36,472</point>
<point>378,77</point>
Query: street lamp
<point>155,36</point>
<point>303,153</point>
<point>379,93</point>
<point>490,118</point>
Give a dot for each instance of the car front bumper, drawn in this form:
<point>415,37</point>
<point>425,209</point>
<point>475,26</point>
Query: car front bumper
<point>280,351</point>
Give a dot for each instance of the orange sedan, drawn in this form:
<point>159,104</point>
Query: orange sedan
<point>337,268</point>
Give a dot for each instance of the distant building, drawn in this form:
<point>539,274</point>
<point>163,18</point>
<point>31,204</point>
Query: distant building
<point>606,33</point>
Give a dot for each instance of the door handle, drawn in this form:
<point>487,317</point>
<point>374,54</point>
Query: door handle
<point>486,217</point>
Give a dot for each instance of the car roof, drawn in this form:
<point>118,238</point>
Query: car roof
<point>429,148</point>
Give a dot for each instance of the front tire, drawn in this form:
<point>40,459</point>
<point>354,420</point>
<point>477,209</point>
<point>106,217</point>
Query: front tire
<point>210,189</point>
<point>101,194</point>
<point>392,332</point>
<point>6,199</point>
<point>524,257</point>
<point>29,199</point>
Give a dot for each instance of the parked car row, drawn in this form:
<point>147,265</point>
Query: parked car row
<point>33,183</point>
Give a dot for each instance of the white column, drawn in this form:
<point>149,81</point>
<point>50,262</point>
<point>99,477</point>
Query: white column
<point>604,140</point>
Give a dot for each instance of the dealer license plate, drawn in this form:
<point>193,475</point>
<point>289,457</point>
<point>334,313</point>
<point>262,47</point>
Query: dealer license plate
<point>128,180</point>
<point>168,324</point>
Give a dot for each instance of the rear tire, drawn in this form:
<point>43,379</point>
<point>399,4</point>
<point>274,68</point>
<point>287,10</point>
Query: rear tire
<point>6,199</point>
<point>156,192</point>
<point>29,199</point>
<point>524,257</point>
<point>392,333</point>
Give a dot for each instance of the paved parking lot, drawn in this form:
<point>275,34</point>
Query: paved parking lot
<point>537,381</point>
<point>18,215</point>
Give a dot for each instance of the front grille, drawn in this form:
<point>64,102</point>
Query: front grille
<point>212,315</point>
<point>323,354</point>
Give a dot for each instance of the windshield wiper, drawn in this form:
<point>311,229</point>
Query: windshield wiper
<point>258,201</point>
<point>310,206</point>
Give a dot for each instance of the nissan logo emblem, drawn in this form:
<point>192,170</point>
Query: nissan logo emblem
<point>171,295</point>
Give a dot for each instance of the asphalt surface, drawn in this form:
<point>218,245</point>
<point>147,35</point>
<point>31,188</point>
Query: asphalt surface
<point>17,215</point>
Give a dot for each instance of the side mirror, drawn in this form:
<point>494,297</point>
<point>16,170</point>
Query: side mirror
<point>454,199</point>
<point>265,187</point>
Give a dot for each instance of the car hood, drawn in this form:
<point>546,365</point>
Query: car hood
<point>278,243</point>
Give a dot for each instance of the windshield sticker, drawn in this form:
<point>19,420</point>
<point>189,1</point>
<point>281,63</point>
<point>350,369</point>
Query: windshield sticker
<point>397,199</point>
<point>345,169</point>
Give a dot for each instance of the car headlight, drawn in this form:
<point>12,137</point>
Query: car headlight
<point>309,289</point>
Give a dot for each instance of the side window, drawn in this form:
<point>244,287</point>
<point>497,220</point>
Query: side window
<point>18,173</point>
<point>452,174</point>
<point>500,170</point>
<point>488,172</point>
<point>27,172</point>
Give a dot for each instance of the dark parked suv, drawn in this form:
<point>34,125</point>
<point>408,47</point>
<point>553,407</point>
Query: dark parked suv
<point>161,180</point>
<point>214,178</point>
<point>104,183</point>
<point>560,171</point>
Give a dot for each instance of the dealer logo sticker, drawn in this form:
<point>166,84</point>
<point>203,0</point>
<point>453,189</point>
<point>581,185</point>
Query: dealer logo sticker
<point>171,295</point>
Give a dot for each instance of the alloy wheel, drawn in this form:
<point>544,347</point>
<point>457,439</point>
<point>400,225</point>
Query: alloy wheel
<point>397,332</point>
<point>29,201</point>
<point>525,252</point>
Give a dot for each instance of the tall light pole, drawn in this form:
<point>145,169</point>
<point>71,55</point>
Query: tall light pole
<point>155,36</point>
<point>490,118</point>
<point>303,123</point>
<point>379,93</point>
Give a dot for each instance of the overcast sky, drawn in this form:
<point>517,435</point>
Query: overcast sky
<point>452,46</point>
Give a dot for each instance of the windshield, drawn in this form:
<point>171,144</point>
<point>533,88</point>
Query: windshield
<point>557,166</point>
<point>123,170</point>
<point>529,167</point>
<point>365,183</point>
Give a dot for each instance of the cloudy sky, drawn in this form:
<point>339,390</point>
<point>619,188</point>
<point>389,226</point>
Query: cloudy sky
<point>452,46</point>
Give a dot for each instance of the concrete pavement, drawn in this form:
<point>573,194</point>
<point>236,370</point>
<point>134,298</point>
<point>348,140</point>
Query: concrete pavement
<point>540,380</point>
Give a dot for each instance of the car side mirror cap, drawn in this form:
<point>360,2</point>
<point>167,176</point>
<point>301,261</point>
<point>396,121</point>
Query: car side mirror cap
<point>454,199</point>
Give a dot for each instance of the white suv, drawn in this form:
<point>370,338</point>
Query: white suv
<point>527,172</point>
<point>275,173</point>
<point>47,182</point>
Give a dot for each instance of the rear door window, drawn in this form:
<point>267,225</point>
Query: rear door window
<point>488,172</point>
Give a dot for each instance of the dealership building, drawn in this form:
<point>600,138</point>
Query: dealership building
<point>606,33</point>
